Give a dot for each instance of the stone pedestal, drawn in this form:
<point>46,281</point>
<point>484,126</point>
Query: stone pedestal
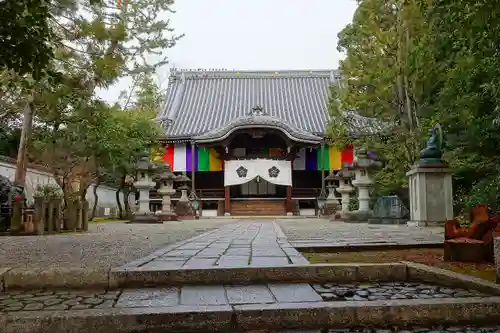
<point>431,195</point>
<point>143,213</point>
<point>496,252</point>
<point>183,208</point>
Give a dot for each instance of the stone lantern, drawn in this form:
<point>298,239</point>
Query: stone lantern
<point>345,189</point>
<point>362,166</point>
<point>331,186</point>
<point>184,208</point>
<point>331,203</point>
<point>144,184</point>
<point>166,178</point>
<point>183,180</point>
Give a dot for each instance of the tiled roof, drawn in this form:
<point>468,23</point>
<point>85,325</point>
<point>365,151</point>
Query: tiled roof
<point>202,101</point>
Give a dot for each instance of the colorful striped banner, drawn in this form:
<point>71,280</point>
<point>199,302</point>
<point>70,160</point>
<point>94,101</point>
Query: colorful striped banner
<point>312,159</point>
<point>179,156</point>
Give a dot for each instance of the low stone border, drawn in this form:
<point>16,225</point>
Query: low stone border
<point>369,314</point>
<point>179,318</point>
<point>259,316</point>
<point>321,248</point>
<point>319,273</point>
<point>420,272</point>
<point>54,277</point>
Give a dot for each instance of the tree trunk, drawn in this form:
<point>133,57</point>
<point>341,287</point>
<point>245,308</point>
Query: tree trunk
<point>20,177</point>
<point>96,199</point>
<point>118,203</point>
<point>126,196</point>
<point>22,153</point>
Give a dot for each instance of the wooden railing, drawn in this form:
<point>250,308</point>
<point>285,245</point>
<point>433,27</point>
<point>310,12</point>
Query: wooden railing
<point>208,193</point>
<point>305,192</point>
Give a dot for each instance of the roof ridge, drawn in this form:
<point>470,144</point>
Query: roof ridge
<point>220,73</point>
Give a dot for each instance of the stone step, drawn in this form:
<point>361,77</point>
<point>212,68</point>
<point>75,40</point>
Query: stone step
<point>240,308</point>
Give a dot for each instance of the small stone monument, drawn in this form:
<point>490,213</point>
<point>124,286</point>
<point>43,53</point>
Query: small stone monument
<point>183,208</point>
<point>166,178</point>
<point>144,184</point>
<point>389,210</point>
<point>430,185</point>
<point>362,166</point>
<point>345,189</point>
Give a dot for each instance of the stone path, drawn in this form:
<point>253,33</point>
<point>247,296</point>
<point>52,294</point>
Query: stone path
<point>216,295</point>
<point>242,244</point>
<point>311,233</point>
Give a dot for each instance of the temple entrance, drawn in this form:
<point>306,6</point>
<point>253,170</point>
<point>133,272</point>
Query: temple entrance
<point>258,187</point>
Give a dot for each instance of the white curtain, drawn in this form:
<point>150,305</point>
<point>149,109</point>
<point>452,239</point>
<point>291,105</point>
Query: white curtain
<point>238,172</point>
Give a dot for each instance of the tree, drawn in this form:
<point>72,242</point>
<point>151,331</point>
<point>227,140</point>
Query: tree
<point>97,45</point>
<point>25,36</point>
<point>412,63</point>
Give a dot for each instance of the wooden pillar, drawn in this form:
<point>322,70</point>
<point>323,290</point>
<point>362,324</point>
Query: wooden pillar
<point>227,200</point>
<point>323,167</point>
<point>288,202</point>
<point>193,167</point>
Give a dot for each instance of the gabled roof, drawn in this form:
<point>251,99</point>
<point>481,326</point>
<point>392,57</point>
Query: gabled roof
<point>199,102</point>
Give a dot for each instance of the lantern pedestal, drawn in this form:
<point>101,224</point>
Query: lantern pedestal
<point>184,208</point>
<point>431,195</point>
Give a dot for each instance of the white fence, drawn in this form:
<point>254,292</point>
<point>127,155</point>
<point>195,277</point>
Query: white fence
<point>106,195</point>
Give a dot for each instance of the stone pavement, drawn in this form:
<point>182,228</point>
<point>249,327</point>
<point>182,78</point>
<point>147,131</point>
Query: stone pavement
<point>313,233</point>
<point>216,295</point>
<point>242,244</point>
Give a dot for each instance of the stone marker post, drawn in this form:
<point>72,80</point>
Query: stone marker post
<point>430,182</point>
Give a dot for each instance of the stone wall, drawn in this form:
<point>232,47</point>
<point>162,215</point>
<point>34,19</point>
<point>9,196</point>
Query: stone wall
<point>37,176</point>
<point>497,257</point>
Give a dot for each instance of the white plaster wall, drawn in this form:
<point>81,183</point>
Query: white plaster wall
<point>36,177</point>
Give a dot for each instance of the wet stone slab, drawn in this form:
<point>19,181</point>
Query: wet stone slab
<point>389,290</point>
<point>57,300</point>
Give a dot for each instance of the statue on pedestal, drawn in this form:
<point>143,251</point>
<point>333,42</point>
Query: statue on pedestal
<point>432,153</point>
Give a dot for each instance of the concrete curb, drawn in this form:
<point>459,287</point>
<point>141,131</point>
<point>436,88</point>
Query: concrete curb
<point>420,272</point>
<point>365,247</point>
<point>318,273</point>
<point>54,278</point>
<point>259,316</point>
<point>178,318</point>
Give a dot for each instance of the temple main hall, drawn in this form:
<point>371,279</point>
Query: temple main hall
<point>253,142</point>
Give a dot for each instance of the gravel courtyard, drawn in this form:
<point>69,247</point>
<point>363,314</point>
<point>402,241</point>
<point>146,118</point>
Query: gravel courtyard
<point>114,243</point>
<point>105,245</point>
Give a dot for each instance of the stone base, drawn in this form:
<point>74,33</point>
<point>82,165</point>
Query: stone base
<point>426,223</point>
<point>169,216</point>
<point>376,220</point>
<point>357,216</point>
<point>147,218</point>
<point>184,209</point>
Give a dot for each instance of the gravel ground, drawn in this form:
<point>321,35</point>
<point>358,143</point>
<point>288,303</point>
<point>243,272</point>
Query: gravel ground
<point>108,244</point>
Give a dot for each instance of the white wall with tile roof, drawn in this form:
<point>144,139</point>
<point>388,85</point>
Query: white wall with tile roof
<point>35,177</point>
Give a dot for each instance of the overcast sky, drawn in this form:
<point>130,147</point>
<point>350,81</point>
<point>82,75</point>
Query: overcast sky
<point>255,34</point>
